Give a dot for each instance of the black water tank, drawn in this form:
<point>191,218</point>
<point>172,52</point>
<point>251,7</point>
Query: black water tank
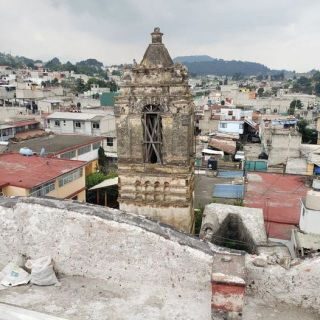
<point>212,164</point>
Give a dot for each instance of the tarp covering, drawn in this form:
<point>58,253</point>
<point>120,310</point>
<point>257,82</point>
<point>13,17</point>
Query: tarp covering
<point>229,191</point>
<point>230,174</point>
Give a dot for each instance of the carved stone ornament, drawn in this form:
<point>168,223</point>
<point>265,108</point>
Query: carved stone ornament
<point>136,106</point>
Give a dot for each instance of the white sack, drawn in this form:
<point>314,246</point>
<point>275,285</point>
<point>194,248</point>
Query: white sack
<point>42,273</point>
<point>12,275</point>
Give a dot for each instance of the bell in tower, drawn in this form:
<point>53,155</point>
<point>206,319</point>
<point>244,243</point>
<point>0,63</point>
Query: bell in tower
<point>154,119</point>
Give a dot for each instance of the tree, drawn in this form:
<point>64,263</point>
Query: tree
<point>94,179</point>
<point>55,82</point>
<point>53,64</point>
<point>113,86</point>
<point>317,89</point>
<point>295,104</point>
<point>274,91</point>
<point>102,161</point>
<point>237,76</point>
<point>316,76</point>
<point>116,73</point>
<point>308,135</point>
<point>303,85</point>
<point>80,86</point>
<point>260,92</point>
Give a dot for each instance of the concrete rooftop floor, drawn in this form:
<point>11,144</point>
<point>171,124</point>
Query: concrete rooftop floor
<point>95,299</point>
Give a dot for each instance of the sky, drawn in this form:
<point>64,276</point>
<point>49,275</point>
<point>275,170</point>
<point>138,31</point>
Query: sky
<point>281,34</point>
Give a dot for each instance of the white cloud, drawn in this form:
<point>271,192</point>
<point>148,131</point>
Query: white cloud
<point>277,33</point>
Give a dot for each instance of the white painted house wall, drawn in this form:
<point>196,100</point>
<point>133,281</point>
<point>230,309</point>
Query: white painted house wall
<point>231,126</point>
<point>309,219</point>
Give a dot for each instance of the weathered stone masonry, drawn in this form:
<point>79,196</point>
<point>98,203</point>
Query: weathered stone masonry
<point>154,117</point>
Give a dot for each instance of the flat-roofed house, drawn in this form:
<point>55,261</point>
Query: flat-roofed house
<point>38,176</point>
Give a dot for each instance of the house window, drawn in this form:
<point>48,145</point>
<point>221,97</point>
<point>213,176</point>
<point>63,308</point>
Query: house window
<point>223,125</point>
<point>42,190</point>
<point>69,177</point>
<point>84,150</point>
<point>68,155</point>
<point>96,125</point>
<point>110,142</point>
<point>77,124</point>
<point>96,145</point>
<point>230,113</point>
<point>152,124</point>
<point>57,123</point>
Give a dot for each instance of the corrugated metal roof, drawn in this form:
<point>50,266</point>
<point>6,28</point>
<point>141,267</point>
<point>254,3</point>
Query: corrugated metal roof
<point>279,195</point>
<point>230,191</point>
<point>106,183</point>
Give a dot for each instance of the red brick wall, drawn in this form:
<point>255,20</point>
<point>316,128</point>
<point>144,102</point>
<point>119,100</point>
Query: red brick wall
<point>227,297</point>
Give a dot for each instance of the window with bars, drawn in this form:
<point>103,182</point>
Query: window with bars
<point>43,189</point>
<point>68,155</point>
<point>84,150</point>
<point>69,177</point>
<point>152,126</point>
<point>96,145</point>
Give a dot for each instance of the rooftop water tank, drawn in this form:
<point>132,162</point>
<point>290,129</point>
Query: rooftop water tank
<point>26,151</point>
<point>313,200</point>
<point>316,184</point>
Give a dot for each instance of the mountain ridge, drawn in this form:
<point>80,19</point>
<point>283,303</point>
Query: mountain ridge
<point>204,64</point>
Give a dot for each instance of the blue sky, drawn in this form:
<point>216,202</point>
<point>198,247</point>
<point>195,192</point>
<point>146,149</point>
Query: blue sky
<point>277,33</point>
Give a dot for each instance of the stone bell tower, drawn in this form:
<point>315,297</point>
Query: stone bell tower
<point>154,119</point>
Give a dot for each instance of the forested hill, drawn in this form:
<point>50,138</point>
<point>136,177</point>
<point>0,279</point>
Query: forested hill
<point>202,65</point>
<point>88,66</point>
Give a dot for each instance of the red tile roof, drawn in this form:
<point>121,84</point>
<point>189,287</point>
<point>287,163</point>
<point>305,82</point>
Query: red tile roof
<point>15,124</point>
<point>28,172</point>
<point>279,196</point>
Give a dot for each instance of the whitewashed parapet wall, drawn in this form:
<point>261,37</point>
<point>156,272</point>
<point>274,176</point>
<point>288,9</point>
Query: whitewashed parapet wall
<point>127,250</point>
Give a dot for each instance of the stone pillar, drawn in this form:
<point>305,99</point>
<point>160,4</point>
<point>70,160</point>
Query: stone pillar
<point>228,287</point>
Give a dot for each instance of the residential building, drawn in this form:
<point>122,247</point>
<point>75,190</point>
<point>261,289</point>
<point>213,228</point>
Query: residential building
<point>279,138</point>
<point>310,210</point>
<point>49,105</point>
<point>7,92</point>
<point>95,90</point>
<point>223,119</point>
<point>10,129</point>
<point>231,126</point>
<point>81,123</point>
<point>306,241</point>
<point>33,91</point>
<point>72,147</point>
<point>39,176</point>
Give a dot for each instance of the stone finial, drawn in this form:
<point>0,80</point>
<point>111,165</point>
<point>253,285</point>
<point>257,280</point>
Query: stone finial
<point>156,35</point>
